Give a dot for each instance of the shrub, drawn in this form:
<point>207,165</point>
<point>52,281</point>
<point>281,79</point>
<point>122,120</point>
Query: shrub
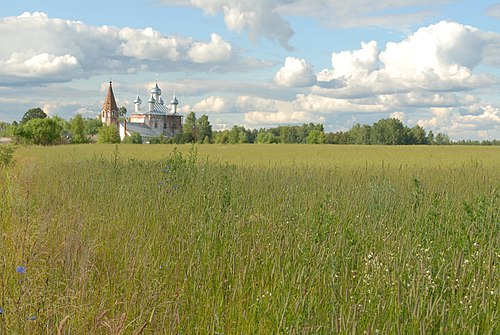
<point>6,154</point>
<point>135,138</point>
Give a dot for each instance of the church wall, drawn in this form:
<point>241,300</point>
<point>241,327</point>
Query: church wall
<point>174,125</point>
<point>137,118</point>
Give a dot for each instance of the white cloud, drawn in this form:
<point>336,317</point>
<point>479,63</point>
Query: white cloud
<point>295,73</point>
<point>446,50</point>
<point>213,104</point>
<point>494,10</point>
<point>217,50</point>
<point>150,44</point>
<point>440,57</point>
<point>267,18</point>
<point>316,103</point>
<point>64,50</point>
<point>425,99</point>
<point>478,122</point>
<point>399,115</point>
<point>258,18</point>
<point>281,117</point>
<point>355,64</point>
<point>261,112</point>
<point>38,65</point>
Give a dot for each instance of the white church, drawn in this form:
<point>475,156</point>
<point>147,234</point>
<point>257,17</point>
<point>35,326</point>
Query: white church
<point>150,121</point>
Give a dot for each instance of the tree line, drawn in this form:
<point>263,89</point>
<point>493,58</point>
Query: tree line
<point>36,127</point>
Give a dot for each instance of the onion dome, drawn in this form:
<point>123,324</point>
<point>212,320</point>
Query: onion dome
<point>152,100</point>
<point>156,90</point>
<point>174,101</point>
<point>137,100</point>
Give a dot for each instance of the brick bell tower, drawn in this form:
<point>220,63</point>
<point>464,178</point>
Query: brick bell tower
<point>109,114</point>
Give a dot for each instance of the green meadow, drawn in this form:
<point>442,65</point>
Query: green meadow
<point>250,239</point>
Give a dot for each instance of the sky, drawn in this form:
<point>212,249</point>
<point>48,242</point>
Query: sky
<point>260,63</point>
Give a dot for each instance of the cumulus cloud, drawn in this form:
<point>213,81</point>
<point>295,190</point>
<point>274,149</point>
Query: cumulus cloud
<point>439,57</point>
<point>38,65</point>
<point>477,121</point>
<point>213,104</point>
<point>426,99</point>
<point>446,50</point>
<point>150,44</point>
<point>316,103</point>
<point>258,18</point>
<point>357,63</point>
<point>281,117</point>
<point>267,18</point>
<point>63,50</point>
<point>295,73</point>
<point>217,50</point>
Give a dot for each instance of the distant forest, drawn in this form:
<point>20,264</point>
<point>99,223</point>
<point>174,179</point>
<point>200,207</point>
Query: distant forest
<point>37,128</point>
<point>388,131</point>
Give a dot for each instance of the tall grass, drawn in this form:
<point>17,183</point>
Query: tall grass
<point>188,245</point>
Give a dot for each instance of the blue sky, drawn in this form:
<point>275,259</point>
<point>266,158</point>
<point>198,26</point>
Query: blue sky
<point>261,63</point>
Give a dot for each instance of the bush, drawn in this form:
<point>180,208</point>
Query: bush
<point>135,138</point>
<point>39,131</point>
<point>6,154</point>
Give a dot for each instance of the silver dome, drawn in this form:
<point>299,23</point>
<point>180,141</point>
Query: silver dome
<point>156,89</point>
<point>174,101</point>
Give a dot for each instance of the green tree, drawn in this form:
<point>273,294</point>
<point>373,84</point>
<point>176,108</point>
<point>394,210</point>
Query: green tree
<point>221,137</point>
<point>442,139</point>
<point>204,129</point>
<point>243,137</point>
<point>122,111</point>
<point>190,128</point>
<point>108,134</point>
<point>360,134</point>
<point>417,135</point>
<point>388,132</point>
<point>430,137</point>
<point>78,129</point>
<point>92,126</point>
<point>65,127</point>
<point>33,113</point>
<point>315,137</point>
<point>234,135</point>
<point>39,131</point>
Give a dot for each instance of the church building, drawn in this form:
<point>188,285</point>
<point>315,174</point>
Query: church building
<point>152,120</point>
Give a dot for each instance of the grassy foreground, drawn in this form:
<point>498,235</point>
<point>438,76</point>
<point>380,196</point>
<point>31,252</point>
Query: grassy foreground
<point>254,239</point>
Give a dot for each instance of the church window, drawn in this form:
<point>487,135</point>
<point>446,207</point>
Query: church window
<point>164,125</point>
<point>156,124</point>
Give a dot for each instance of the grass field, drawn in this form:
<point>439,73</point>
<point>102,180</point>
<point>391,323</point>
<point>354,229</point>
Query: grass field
<point>250,239</point>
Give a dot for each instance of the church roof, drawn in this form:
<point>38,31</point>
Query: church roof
<point>156,109</point>
<point>141,128</point>
<point>110,102</point>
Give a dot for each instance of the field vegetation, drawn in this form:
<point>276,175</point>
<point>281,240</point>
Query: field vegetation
<point>250,239</point>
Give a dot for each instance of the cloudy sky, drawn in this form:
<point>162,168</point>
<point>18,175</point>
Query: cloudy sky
<point>260,63</point>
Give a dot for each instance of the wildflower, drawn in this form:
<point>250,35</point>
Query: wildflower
<point>31,318</point>
<point>21,269</point>
<point>1,311</point>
